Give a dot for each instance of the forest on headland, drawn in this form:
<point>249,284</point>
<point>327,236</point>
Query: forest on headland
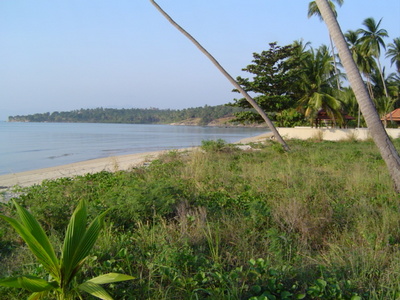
<point>194,116</point>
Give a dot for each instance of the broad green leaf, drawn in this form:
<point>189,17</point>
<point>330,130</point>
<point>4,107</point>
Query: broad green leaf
<point>30,283</point>
<point>110,277</point>
<point>35,284</point>
<point>34,245</point>
<point>79,240</point>
<point>87,243</point>
<point>37,231</point>
<point>75,231</point>
<point>95,290</point>
<point>39,295</point>
<point>90,237</point>
<point>10,282</point>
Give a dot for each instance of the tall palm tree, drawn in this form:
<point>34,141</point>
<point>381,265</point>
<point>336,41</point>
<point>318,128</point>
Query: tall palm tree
<point>362,58</point>
<point>394,53</point>
<point>227,75</point>
<point>313,10</point>
<point>378,132</point>
<point>377,83</point>
<point>316,83</point>
<point>372,40</point>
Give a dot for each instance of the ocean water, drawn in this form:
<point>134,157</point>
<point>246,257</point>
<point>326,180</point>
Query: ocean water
<point>30,146</point>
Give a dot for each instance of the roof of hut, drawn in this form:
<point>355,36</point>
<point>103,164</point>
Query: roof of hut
<point>393,115</point>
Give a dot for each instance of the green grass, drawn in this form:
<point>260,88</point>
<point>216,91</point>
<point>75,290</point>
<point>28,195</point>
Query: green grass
<point>321,222</point>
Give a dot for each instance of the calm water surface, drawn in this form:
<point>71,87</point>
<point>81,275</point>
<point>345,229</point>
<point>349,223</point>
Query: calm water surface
<point>29,146</point>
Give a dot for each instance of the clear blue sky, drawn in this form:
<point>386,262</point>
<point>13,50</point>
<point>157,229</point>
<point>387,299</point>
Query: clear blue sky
<point>66,55</point>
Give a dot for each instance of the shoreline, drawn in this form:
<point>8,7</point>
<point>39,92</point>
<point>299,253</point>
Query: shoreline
<point>112,164</point>
<point>128,161</point>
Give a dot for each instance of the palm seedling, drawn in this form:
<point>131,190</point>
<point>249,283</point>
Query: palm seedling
<point>61,280</point>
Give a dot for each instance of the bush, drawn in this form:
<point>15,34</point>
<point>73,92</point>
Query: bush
<point>320,221</point>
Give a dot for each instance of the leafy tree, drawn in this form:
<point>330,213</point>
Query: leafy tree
<point>350,104</point>
<point>316,84</point>
<point>273,77</point>
<point>378,86</point>
<point>372,40</point>
<point>394,53</point>
<point>362,57</point>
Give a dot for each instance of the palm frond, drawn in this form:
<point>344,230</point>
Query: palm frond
<point>33,235</point>
<point>95,290</point>
<point>110,278</point>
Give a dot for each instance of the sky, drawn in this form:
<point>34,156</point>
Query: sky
<point>72,54</point>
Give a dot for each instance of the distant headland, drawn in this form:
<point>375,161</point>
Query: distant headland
<point>220,115</point>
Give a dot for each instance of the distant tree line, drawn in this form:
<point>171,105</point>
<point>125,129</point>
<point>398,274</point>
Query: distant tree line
<point>205,115</point>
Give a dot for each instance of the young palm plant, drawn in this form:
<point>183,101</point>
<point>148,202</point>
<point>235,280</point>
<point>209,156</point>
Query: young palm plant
<point>79,240</point>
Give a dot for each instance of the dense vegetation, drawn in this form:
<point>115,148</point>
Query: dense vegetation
<point>293,82</point>
<point>204,115</point>
<point>229,224</point>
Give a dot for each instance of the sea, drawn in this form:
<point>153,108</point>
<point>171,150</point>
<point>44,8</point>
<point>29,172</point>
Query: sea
<point>30,146</point>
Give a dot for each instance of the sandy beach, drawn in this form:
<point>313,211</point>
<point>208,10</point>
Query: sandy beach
<point>113,163</point>
<point>126,162</point>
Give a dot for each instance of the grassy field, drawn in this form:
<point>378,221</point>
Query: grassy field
<point>320,222</point>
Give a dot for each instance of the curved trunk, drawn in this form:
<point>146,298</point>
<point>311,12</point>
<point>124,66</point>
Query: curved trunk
<point>227,75</point>
<point>378,132</point>
<point>334,63</point>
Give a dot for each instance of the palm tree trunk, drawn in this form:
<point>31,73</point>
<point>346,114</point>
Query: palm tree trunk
<point>383,79</point>
<point>378,132</point>
<point>334,64</point>
<point>227,75</point>
<point>369,86</point>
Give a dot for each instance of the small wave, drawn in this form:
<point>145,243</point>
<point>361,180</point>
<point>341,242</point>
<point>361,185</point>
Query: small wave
<point>113,150</point>
<point>58,156</point>
<point>33,150</point>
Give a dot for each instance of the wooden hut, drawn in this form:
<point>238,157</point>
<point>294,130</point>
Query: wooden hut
<point>323,119</point>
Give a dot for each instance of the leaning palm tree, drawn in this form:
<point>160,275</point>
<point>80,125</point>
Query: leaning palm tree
<point>378,132</point>
<point>227,75</point>
<point>372,40</point>
<point>314,11</point>
<point>394,53</point>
